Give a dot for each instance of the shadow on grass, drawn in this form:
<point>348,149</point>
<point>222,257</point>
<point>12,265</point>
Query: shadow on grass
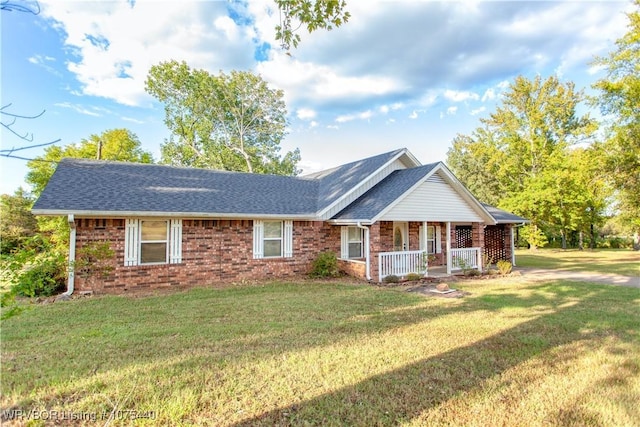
<point>402,395</point>
<point>164,341</point>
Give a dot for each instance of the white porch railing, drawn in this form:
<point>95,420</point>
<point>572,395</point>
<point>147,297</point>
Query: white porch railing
<point>466,258</point>
<point>405,262</point>
<point>402,263</point>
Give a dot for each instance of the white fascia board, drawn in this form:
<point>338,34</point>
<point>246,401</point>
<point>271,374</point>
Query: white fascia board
<point>404,152</point>
<point>406,193</point>
<point>212,215</point>
<point>466,195</point>
<point>350,222</point>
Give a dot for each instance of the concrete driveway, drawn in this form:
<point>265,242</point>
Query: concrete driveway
<point>581,276</point>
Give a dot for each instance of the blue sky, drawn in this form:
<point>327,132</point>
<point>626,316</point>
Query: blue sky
<point>398,74</point>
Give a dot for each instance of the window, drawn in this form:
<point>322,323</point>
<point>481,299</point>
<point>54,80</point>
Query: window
<point>352,243</point>
<point>153,241</point>
<point>154,236</point>
<point>355,242</point>
<point>272,239</point>
<point>431,241</point>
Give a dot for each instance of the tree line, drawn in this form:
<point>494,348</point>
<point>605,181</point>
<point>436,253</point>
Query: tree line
<point>538,157</point>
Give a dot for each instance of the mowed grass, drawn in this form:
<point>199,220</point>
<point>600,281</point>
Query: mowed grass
<point>509,353</point>
<point>615,261</point>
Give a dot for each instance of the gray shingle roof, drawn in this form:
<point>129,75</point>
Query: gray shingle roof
<point>96,187</point>
<point>374,201</point>
<point>337,181</point>
<point>80,185</point>
<point>504,217</point>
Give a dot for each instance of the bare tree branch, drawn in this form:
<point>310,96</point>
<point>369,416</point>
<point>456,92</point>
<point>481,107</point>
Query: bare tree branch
<point>28,137</point>
<point>17,6</point>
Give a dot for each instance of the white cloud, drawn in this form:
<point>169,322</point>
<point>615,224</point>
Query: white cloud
<point>132,120</point>
<point>489,95</point>
<point>460,96</point>
<point>452,111</point>
<point>364,115</point>
<point>305,113</point>
<point>79,109</point>
<point>115,44</point>
<point>413,115</point>
<point>478,111</point>
<point>420,48</point>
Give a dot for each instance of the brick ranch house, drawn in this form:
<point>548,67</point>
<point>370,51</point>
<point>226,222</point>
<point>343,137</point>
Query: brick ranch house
<point>170,226</point>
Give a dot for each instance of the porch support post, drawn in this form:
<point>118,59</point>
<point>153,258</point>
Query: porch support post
<point>448,248</point>
<point>367,251</point>
<point>513,246</point>
<point>424,248</point>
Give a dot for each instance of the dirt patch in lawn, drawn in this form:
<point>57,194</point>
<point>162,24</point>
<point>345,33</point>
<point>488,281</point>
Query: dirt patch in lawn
<point>438,290</point>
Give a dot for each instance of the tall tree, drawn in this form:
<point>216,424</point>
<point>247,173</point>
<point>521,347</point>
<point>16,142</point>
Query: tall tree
<point>475,160</point>
<point>522,148</point>
<point>230,121</point>
<point>620,101</point>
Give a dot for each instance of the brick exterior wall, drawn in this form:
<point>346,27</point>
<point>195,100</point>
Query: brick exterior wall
<point>213,251</point>
<point>221,251</point>
<point>353,268</point>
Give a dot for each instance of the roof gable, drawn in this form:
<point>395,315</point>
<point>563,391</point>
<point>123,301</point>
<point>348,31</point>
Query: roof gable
<point>375,201</point>
<point>399,186</point>
<point>337,183</point>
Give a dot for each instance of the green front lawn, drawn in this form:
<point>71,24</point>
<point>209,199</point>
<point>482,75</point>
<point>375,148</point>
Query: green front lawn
<point>617,261</point>
<point>510,353</point>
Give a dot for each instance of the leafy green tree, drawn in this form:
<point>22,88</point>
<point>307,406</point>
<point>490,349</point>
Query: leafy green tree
<point>590,173</point>
<point>230,121</point>
<point>312,14</point>
<point>620,101</point>
<point>521,152</point>
<point>17,223</point>
<point>475,162</point>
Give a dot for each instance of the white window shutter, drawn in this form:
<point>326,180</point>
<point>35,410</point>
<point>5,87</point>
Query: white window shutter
<point>175,242</point>
<point>288,239</point>
<point>438,240</point>
<point>344,242</point>
<point>131,242</point>
<point>258,234</point>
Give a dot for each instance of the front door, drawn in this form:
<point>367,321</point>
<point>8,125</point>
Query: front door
<point>400,236</point>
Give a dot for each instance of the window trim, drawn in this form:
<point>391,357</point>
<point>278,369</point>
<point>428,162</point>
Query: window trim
<point>346,241</point>
<point>266,239</point>
<point>286,239</point>
<point>142,242</point>
<point>133,242</point>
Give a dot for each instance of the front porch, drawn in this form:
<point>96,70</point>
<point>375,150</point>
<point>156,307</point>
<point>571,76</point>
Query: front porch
<point>402,263</point>
<point>427,248</point>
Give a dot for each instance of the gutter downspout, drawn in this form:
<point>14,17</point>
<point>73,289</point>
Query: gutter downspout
<point>72,254</point>
<point>367,253</point>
